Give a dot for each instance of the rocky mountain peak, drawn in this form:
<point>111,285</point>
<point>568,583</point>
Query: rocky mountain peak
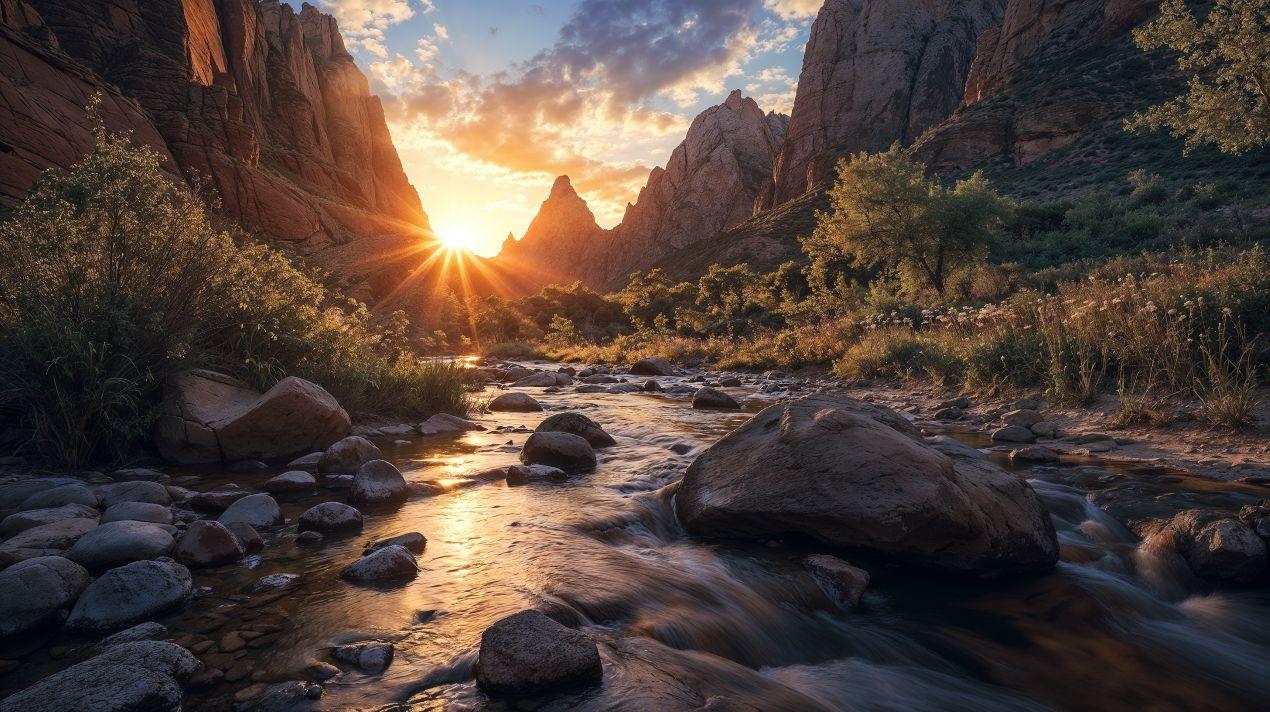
<point>562,189</point>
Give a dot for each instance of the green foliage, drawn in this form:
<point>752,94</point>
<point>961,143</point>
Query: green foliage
<point>1227,60</point>
<point>112,278</point>
<point>886,213</point>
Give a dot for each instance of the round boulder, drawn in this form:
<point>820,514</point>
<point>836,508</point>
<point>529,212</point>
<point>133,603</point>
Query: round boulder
<point>208,543</point>
<point>841,471</point>
<point>577,424</point>
<point>563,450</point>
<point>59,496</point>
<point>714,399</point>
<point>843,583</point>
<point>1014,434</point>
<point>118,543</point>
<point>19,522</point>
<point>345,456</point>
<point>378,482</point>
<point>258,510</point>
<point>293,481</point>
<point>130,677</point>
<point>393,562</point>
<point>331,517</point>
<point>652,367</point>
<point>130,594</point>
<point>137,512</point>
<point>515,402</point>
<point>151,492</point>
<point>36,589</point>
<point>529,653</point>
<point>1216,547</point>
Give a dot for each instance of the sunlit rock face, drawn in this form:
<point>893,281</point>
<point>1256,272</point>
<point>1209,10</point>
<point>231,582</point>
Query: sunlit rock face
<point>875,72</point>
<point>708,185</point>
<point>262,103</point>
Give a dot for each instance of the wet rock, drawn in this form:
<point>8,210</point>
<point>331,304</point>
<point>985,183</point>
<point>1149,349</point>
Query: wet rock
<point>730,382</point>
<point>337,482</point>
<point>713,399</point>
<point>446,424</point>
<point>543,379</point>
<point>1013,434</point>
<point>289,696</point>
<point>529,653</point>
<point>331,517</point>
<point>563,450</point>
<point>59,496</point>
<point>247,536</point>
<point>515,402</point>
<point>309,538</point>
<point>394,562</point>
<point>378,482</point>
<point>217,501</point>
<point>33,591</point>
<point>12,495</point>
<point>246,467</point>
<point>119,543</point>
<point>1034,453</point>
<point>347,455</point>
<point>1215,546</point>
<point>19,522</point>
<point>412,541</point>
<point>137,633</point>
<point>622,388</point>
<point>130,594</point>
<point>308,463</point>
<point>321,671</point>
<point>291,482</point>
<point>837,469</point>
<point>273,582</point>
<point>151,492</point>
<point>949,413</point>
<point>591,389</point>
<point>258,510</point>
<point>524,474</point>
<point>577,424</point>
<point>46,539</point>
<point>207,543</point>
<point>652,387</point>
<point>138,512</point>
<point>843,583</point>
<point>142,676</point>
<point>373,658</point>
<point>599,379</point>
<point>652,367</point>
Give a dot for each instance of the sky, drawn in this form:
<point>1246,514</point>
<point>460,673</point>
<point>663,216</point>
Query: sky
<point>489,100</point>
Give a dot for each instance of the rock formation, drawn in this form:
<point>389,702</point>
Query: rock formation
<point>708,185</point>
<point>874,72</point>
<point>262,103</point>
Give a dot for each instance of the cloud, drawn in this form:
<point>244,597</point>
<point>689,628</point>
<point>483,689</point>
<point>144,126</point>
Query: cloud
<point>362,22</point>
<point>794,9</point>
<point>440,31</point>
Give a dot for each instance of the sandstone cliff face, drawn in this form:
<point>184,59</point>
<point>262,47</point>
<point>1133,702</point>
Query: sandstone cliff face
<point>261,102</point>
<point>708,186</point>
<point>875,72</point>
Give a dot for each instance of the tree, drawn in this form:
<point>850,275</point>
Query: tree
<point>886,213</point>
<point>1227,102</point>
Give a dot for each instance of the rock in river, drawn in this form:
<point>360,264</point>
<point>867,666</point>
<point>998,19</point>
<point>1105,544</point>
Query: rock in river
<point>35,589</point>
<point>843,583</point>
<point>515,402</point>
<point>413,541</point>
<point>207,543</point>
<point>652,367</point>
<point>347,455</point>
<point>393,562</point>
<point>131,677</point>
<point>378,482</point>
<point>292,481</point>
<point>331,517</point>
<point>258,510</point>
<point>712,398</point>
<point>563,450</point>
<point>577,424</point>
<point>119,543</point>
<point>138,512</point>
<point>130,594</point>
<point>1216,547</point>
<point>529,653</point>
<point>859,476</point>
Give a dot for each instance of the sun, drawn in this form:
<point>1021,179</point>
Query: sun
<point>457,239</point>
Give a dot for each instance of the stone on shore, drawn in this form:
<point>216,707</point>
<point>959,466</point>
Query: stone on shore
<point>566,451</point>
<point>142,631</point>
<point>1023,417</point>
<point>143,676</point>
<point>714,399</point>
<point>331,517</point>
<point>59,496</point>
<point>46,539</point>
<point>843,583</point>
<point>117,543</point>
<point>141,491</point>
<point>1034,453</point>
<point>839,470</point>
<point>258,510</point>
<point>208,543</point>
<point>378,482</point>
<point>515,402</point>
<point>33,591</point>
<point>652,367</point>
<point>347,455</point>
<point>291,482</point>
<point>577,424</point>
<point>391,563</point>
<point>529,653</point>
<point>130,594</point>
<point>137,512</point>
<point>19,522</point>
<point>1013,434</point>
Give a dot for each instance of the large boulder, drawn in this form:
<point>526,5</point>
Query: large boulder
<point>258,510</point>
<point>46,539</point>
<point>652,367</point>
<point>208,543</point>
<point>529,653</point>
<point>141,676</point>
<point>291,482</point>
<point>331,517</point>
<point>36,589</point>
<point>149,492</point>
<point>14,494</point>
<point>138,512</point>
<point>859,476</point>
<point>566,451</point>
<point>577,424</point>
<point>19,522</point>
<point>347,455</point>
<point>1216,547</point>
<point>379,482</point>
<point>210,417</point>
<point>390,563</point>
<point>117,543</point>
<point>59,496</point>
<point>714,399</point>
<point>515,402</point>
<point>130,594</point>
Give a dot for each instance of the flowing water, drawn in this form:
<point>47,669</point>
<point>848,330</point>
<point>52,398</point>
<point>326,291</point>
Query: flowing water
<point>687,624</point>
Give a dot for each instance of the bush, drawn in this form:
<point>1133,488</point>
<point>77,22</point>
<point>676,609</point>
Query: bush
<point>112,278</point>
